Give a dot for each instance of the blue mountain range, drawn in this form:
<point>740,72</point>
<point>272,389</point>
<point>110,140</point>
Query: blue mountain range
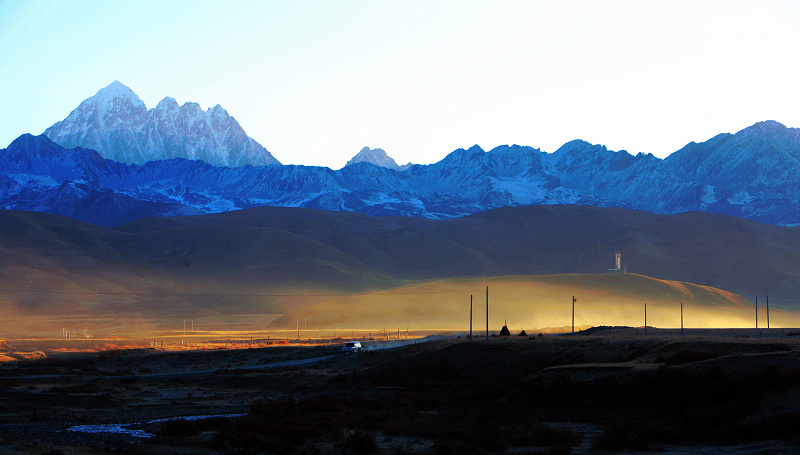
<point>753,174</point>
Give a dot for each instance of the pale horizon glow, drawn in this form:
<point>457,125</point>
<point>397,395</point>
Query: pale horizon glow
<point>315,81</point>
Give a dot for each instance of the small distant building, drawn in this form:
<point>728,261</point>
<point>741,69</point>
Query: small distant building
<point>504,332</point>
<point>618,264</point>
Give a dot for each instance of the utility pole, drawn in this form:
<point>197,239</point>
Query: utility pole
<point>767,311</point>
<point>645,318</point>
<point>573,314</point>
<point>470,318</point>
<point>487,313</point>
<point>681,318</point>
<point>756,311</point>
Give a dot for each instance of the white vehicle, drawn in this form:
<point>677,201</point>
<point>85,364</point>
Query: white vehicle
<point>351,346</point>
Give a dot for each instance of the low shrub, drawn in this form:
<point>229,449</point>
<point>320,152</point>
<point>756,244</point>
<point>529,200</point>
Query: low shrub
<point>361,442</point>
<point>775,347</point>
<point>184,428</point>
<point>685,356</point>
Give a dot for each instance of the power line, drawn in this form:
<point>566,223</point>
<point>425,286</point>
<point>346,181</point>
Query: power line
<point>148,294</point>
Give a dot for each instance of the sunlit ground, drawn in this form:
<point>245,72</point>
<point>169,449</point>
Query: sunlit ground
<point>535,304</point>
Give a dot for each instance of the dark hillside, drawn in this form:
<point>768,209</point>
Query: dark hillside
<point>737,255</point>
<point>275,260</point>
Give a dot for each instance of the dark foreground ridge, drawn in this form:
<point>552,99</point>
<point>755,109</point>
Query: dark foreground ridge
<point>621,392</point>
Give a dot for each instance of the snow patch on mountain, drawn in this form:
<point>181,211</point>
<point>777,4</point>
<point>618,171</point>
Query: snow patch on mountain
<point>709,195</point>
<point>521,190</point>
<point>741,198</point>
<point>31,180</point>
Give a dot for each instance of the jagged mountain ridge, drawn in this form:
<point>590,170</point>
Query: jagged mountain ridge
<point>750,174</point>
<point>116,123</point>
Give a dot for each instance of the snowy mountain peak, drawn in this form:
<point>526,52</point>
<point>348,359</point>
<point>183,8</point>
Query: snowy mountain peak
<point>378,157</point>
<point>765,128</point>
<point>218,112</point>
<point>167,104</point>
<point>116,123</point>
<point>117,91</point>
<point>768,125</point>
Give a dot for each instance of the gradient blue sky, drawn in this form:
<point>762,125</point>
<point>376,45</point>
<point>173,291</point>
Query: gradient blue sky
<point>314,81</point>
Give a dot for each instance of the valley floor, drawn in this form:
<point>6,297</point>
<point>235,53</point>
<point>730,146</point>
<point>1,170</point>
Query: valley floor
<point>600,391</point>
